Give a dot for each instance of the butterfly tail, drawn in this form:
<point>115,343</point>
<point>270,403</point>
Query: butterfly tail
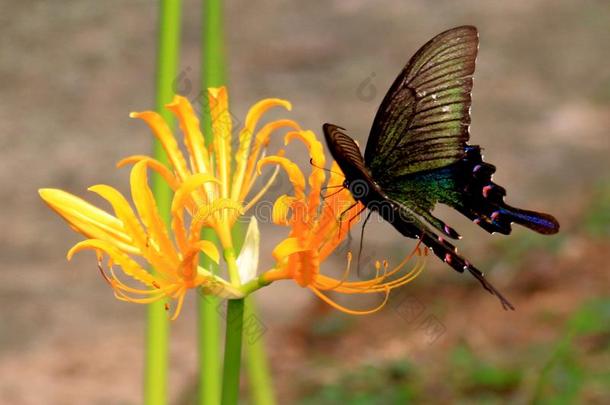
<point>536,221</point>
<point>482,200</point>
<point>448,253</point>
<point>445,251</point>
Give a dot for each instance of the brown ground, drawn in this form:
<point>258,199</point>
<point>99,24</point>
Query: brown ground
<point>71,71</point>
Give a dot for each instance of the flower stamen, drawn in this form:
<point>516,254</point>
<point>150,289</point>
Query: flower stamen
<point>346,310</point>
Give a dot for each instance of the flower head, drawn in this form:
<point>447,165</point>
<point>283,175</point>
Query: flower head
<point>129,236</point>
<point>318,225</point>
<point>218,204</point>
<point>208,191</point>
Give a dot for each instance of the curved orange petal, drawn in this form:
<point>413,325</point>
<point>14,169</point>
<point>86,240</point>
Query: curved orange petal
<point>260,141</point>
<point>155,165</point>
<point>222,130</point>
<point>133,227</point>
<point>193,138</point>
<point>165,136</point>
<point>147,209</point>
<point>124,212</point>
<point>317,176</point>
<point>128,265</point>
<point>245,139</point>
<point>179,201</point>
<point>294,173</point>
<point>281,210</point>
<point>286,248</point>
<point>87,219</point>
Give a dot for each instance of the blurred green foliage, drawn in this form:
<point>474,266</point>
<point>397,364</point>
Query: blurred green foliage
<point>480,378</point>
<point>572,370</point>
<point>516,248</point>
<point>597,215</point>
<point>390,383</point>
<point>579,360</point>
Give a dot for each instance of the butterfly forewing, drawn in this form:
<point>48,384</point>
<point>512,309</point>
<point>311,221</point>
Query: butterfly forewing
<point>345,151</point>
<point>423,121</point>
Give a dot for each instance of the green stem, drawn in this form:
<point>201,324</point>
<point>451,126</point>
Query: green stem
<point>254,285</point>
<point>212,74</point>
<point>157,331</point>
<point>213,55</point>
<point>209,340</point>
<point>261,387</point>
<point>232,361</point>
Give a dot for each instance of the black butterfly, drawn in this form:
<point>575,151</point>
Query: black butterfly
<point>417,154</point>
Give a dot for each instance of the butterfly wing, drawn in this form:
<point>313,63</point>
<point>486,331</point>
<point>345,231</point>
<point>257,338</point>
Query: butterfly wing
<point>418,152</point>
<point>346,153</point>
<point>422,123</point>
<point>407,219</point>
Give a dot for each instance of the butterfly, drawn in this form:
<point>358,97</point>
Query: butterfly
<point>418,155</point>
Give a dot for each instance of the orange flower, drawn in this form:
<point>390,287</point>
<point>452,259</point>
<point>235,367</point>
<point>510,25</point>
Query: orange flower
<point>216,205</point>
<point>209,191</point>
<point>125,237</point>
<point>318,227</point>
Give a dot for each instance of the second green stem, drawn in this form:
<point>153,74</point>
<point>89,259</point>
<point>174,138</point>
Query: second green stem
<point>232,360</point>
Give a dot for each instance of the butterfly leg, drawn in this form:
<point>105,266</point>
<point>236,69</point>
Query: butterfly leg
<point>362,240</point>
<point>349,222</point>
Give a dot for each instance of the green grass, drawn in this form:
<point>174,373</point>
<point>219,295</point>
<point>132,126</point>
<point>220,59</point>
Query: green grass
<point>389,383</point>
<point>573,369</point>
<point>597,216</point>
<point>577,369</point>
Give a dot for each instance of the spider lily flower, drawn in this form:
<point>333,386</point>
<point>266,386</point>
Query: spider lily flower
<point>210,191</point>
<point>129,237</point>
<point>214,204</point>
<point>318,227</point>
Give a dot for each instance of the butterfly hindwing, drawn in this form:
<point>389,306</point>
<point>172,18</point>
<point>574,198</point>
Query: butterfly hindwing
<point>422,123</point>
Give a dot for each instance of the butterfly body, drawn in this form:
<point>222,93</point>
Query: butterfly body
<point>417,155</point>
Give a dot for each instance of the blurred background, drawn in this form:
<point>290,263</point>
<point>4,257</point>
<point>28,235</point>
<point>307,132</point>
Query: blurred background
<point>71,71</point>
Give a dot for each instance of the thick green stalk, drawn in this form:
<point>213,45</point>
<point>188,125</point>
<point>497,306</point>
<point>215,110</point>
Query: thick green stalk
<point>212,75</point>
<point>209,341</point>
<point>213,55</point>
<point>157,331</point>
<point>259,378</point>
<point>232,361</point>
<point>233,337</point>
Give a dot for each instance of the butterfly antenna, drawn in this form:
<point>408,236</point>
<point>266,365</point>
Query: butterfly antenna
<point>325,169</point>
<point>324,197</point>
